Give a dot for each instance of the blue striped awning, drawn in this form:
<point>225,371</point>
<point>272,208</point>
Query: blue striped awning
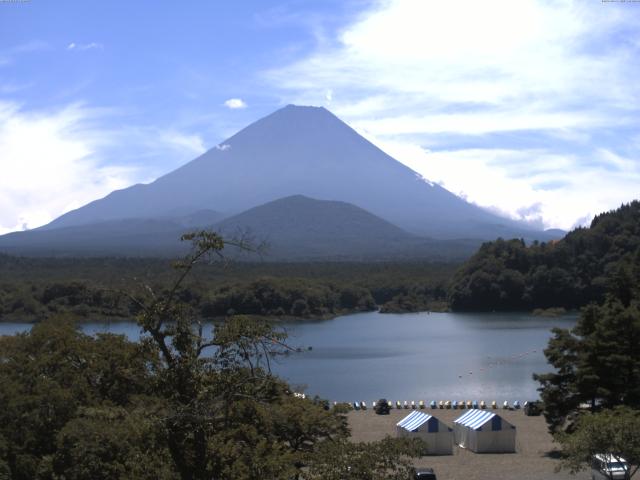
<point>414,420</point>
<point>475,419</point>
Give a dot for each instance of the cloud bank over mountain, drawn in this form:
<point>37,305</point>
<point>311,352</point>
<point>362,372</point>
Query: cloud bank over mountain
<point>531,101</point>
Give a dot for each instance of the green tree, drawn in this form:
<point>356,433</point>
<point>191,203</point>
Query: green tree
<point>389,459</point>
<point>610,432</point>
<point>597,362</point>
<point>227,416</point>
<point>111,443</point>
<point>48,374</point>
<point>179,404</point>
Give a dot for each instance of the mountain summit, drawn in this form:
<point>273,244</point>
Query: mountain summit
<point>307,151</point>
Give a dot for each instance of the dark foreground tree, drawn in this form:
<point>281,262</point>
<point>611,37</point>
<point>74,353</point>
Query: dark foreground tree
<point>47,376</point>
<point>592,400</point>
<point>389,459</point>
<point>183,403</point>
<point>598,361</point>
<point>615,433</point>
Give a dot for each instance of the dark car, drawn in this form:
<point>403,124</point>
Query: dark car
<point>533,409</point>
<point>382,407</point>
<point>424,474</point>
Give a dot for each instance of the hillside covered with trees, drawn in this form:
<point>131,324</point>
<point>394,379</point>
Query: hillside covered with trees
<point>591,398</point>
<point>569,273</point>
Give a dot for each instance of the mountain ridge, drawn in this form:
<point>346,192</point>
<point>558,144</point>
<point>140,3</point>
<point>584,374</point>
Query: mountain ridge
<point>297,228</point>
<point>305,150</point>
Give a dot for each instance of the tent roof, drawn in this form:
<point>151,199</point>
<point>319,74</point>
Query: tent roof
<point>474,419</point>
<point>414,420</point>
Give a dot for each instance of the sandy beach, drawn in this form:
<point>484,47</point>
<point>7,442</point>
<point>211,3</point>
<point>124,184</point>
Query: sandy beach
<point>532,460</point>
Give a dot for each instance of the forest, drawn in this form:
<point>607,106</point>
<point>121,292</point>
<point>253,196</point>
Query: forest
<point>569,273</point>
<point>503,275</point>
<point>94,288</point>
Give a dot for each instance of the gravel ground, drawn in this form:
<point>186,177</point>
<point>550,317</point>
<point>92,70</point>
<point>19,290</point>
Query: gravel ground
<point>532,460</point>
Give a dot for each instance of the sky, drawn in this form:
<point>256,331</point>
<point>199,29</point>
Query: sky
<point>529,108</point>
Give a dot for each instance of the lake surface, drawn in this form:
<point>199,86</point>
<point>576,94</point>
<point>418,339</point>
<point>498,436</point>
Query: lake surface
<point>410,356</point>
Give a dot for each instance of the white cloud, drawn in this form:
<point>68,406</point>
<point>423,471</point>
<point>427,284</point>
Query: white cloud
<point>84,46</point>
<point>223,147</point>
<point>8,55</point>
<point>190,144</point>
<point>537,186</point>
<point>450,74</point>
<point>56,161</point>
<point>234,103</point>
<point>49,166</point>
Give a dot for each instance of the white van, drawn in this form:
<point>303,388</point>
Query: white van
<point>605,466</point>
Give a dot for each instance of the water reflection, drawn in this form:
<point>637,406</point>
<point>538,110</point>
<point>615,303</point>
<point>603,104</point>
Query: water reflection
<point>406,356</point>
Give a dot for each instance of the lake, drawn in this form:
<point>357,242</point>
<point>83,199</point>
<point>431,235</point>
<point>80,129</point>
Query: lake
<point>409,356</point>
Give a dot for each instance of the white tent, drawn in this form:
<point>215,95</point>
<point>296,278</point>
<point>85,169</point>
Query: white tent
<point>482,431</point>
<point>437,436</point>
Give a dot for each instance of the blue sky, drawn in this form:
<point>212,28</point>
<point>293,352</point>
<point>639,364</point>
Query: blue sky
<point>527,107</point>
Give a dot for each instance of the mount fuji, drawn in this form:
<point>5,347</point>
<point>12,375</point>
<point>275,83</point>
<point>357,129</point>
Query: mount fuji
<point>295,151</point>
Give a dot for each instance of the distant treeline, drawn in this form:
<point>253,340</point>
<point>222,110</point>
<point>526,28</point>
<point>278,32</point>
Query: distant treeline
<point>33,289</point>
<point>502,275</point>
<point>570,273</point>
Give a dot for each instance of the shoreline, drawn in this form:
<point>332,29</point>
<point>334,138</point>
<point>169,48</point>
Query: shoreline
<point>292,319</point>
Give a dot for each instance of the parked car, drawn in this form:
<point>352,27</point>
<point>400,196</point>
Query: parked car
<point>606,466</point>
<point>424,474</point>
<point>532,409</point>
<point>382,407</point>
